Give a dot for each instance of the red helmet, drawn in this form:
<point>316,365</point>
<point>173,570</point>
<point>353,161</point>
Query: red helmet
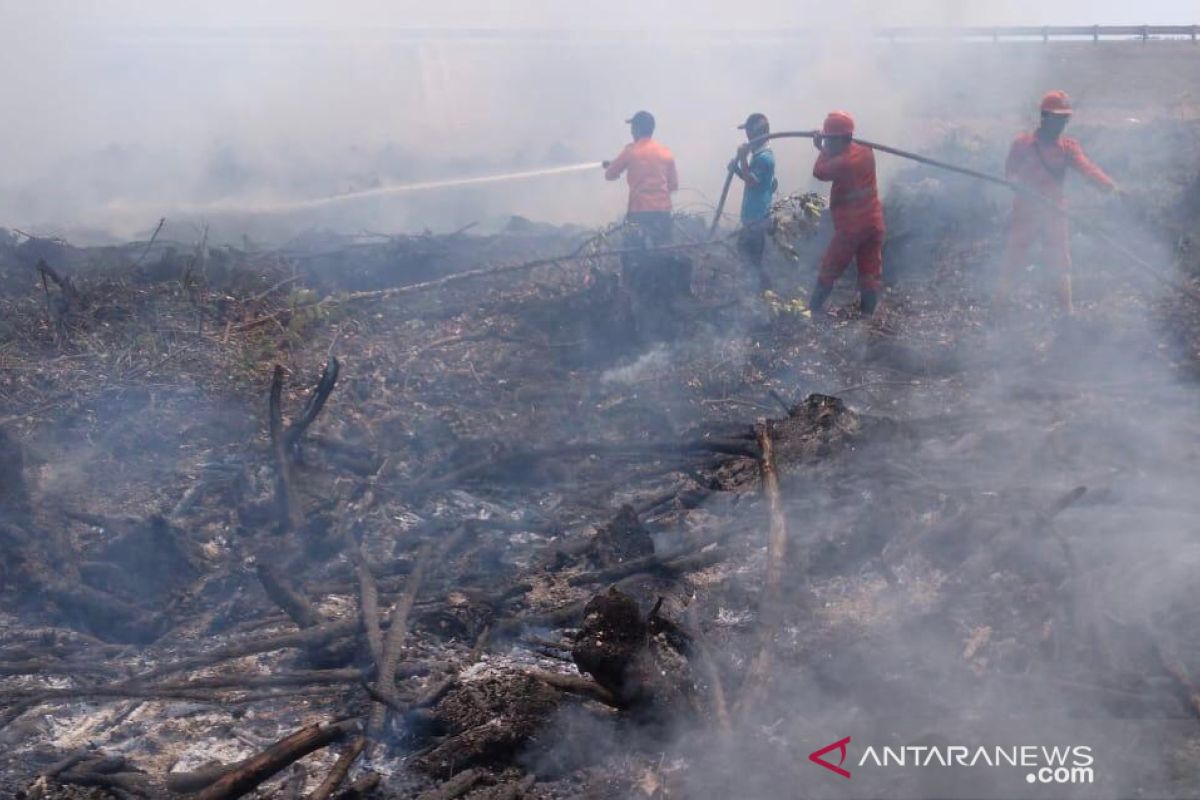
<point>838,123</point>
<point>1057,102</point>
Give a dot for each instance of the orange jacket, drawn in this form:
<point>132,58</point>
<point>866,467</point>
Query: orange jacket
<point>854,196</point>
<point>651,175</point>
<point>1043,167</point>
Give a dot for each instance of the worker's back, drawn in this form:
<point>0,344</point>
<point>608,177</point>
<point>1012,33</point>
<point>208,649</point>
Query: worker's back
<point>854,196</point>
<point>650,172</point>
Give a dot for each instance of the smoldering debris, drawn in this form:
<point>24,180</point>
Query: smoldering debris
<point>397,516</point>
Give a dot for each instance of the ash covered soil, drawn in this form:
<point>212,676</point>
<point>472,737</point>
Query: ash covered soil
<point>525,548</point>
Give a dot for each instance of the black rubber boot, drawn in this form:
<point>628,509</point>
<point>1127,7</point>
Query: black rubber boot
<point>867,301</point>
<point>817,298</point>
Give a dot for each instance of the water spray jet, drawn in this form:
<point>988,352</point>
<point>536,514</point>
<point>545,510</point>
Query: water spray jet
<point>292,206</point>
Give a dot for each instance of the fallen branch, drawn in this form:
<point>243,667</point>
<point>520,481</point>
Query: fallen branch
<point>287,597</point>
<point>456,787</point>
<point>388,700</point>
<point>678,564</point>
<point>368,602</point>
<point>64,764</point>
<point>339,771</point>
<point>300,678</point>
<point>413,288</point>
<point>681,499</point>
<point>508,459</point>
<point>103,611</point>
<point>287,507</point>
<point>575,685</point>
<point>564,615</point>
<point>244,776</point>
<point>40,785</point>
<point>362,787</point>
<point>35,697</point>
<point>51,666</point>
<point>132,782</point>
<point>195,780</point>
<point>385,682</point>
<point>277,285</point>
<point>435,692</point>
<point>15,710</point>
<point>304,639</point>
<point>769,611</point>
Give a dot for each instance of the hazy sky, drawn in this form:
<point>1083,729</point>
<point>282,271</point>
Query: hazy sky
<point>576,13</point>
<point>153,105</point>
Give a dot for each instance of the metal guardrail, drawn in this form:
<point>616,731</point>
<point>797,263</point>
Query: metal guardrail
<point>1045,32</point>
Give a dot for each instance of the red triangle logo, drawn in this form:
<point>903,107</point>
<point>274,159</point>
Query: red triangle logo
<point>840,746</point>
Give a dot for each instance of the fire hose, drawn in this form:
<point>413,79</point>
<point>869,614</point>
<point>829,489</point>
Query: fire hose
<point>1083,224</point>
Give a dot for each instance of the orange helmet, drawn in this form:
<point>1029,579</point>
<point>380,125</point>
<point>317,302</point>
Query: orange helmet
<point>838,123</point>
<point>1057,102</point>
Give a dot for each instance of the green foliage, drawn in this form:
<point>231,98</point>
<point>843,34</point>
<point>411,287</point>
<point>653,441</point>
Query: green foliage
<point>795,218</point>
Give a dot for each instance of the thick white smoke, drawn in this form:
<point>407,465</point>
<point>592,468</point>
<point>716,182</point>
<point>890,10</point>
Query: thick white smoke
<point>127,104</point>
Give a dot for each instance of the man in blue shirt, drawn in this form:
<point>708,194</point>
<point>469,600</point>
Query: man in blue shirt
<point>755,165</point>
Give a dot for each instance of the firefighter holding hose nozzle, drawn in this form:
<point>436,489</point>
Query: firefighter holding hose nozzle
<point>650,172</point>
<point>858,228</point>
<point>652,279</point>
<point>1039,162</point>
<point>755,166</point>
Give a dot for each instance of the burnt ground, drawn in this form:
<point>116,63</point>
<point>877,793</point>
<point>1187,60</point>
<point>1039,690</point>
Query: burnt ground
<point>541,507</point>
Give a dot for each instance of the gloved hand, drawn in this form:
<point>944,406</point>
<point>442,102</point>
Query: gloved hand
<point>819,142</point>
<point>605,164</point>
<point>732,165</point>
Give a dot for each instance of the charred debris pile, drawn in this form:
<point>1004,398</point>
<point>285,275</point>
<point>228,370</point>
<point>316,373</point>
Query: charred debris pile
<point>278,522</point>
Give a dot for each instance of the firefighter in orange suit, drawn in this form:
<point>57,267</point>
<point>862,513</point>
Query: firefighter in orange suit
<point>1039,162</point>
<point>649,169</point>
<point>857,213</point>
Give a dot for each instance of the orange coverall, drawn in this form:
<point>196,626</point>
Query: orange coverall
<point>1043,168</point>
<point>651,175</point>
<point>858,228</point>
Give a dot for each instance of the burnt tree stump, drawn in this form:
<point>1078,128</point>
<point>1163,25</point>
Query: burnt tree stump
<point>642,662</point>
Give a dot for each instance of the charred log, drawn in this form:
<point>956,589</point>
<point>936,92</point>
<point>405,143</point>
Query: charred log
<point>385,684</point>
<point>456,787</point>
<point>287,596</point>
<point>238,779</point>
<point>576,685</point>
<point>339,771</point>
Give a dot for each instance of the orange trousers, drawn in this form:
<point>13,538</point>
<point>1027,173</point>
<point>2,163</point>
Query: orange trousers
<point>1042,226</point>
<point>863,246</point>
